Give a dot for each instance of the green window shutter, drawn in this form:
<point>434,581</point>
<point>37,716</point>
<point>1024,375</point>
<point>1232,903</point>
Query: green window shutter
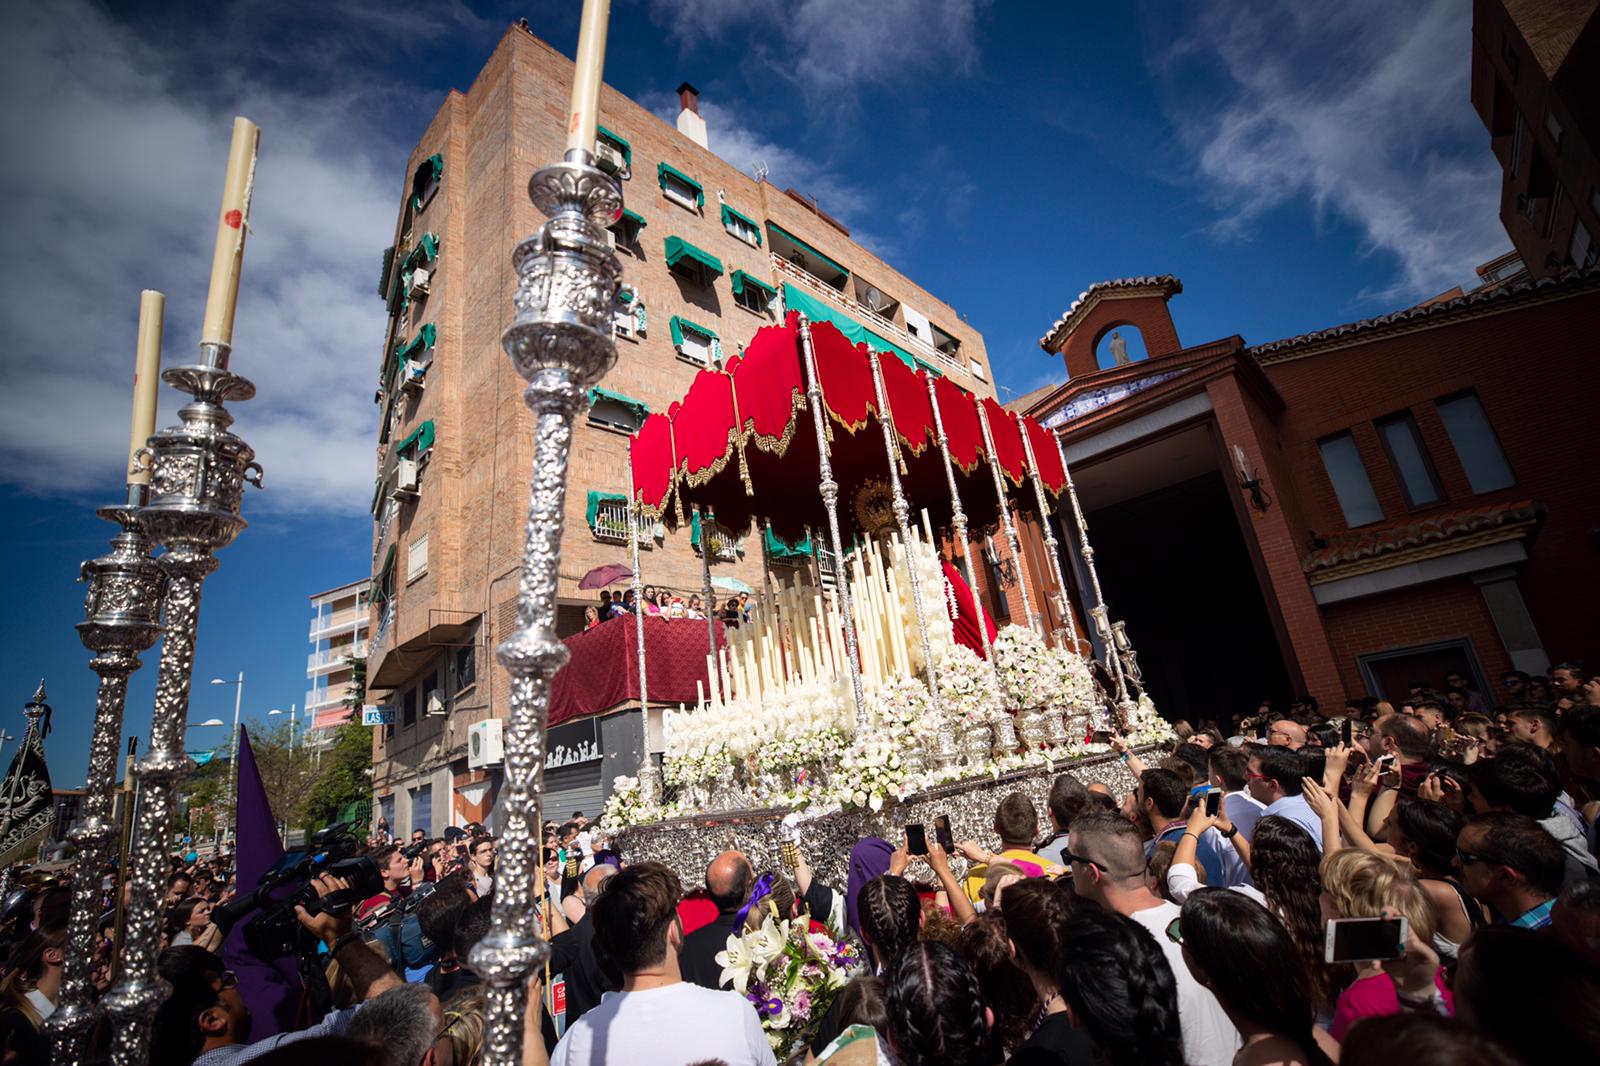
<point>694,529</point>
<point>592,510</point>
<point>741,279</point>
<point>679,249</point>
<point>803,246</point>
<point>778,548</point>
<point>388,267</point>
<point>377,494</point>
<point>420,440</point>
<point>620,144</point>
<point>664,170</point>
<point>637,407</point>
<point>429,171</point>
<point>730,213</point>
<point>634,217</point>
<point>376,593</point>
<point>420,343</point>
<point>679,324</point>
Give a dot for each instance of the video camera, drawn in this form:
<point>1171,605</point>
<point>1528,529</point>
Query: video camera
<point>276,932</point>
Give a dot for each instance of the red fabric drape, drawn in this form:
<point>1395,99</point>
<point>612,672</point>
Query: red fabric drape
<point>845,377</point>
<point>703,428</point>
<point>1051,472</point>
<point>964,618</point>
<point>1007,441</point>
<point>651,456</point>
<point>961,429</point>
<point>770,388</point>
<point>908,403</point>
<point>603,670</point>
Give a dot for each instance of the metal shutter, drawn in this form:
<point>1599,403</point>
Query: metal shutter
<point>573,788</point>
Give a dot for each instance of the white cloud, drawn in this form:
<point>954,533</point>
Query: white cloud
<point>827,48</point>
<point>115,177</point>
<point>1360,108</point>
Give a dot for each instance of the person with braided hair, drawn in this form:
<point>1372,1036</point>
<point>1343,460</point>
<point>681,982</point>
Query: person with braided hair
<point>1036,914</point>
<point>1285,864</point>
<point>1245,956</point>
<point>1118,988</point>
<point>1108,867</point>
<point>936,1011</point>
<point>891,919</point>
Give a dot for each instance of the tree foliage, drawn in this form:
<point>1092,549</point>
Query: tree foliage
<point>345,780</point>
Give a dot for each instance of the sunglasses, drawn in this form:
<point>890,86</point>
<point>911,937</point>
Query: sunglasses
<point>452,1018</point>
<point>226,980</point>
<point>1467,858</point>
<point>1070,857</point>
<point>1175,930</point>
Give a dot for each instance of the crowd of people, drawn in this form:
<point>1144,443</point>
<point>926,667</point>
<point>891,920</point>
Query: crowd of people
<point>1198,916</point>
<point>665,603</point>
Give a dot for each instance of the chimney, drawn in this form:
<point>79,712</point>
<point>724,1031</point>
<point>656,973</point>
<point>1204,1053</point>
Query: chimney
<point>690,124</point>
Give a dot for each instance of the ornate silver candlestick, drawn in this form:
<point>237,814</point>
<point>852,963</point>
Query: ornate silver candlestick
<point>649,780</point>
<point>1005,518</point>
<point>561,343</point>
<point>958,519</point>
<point>1051,552</point>
<point>198,472</point>
<point>122,618</point>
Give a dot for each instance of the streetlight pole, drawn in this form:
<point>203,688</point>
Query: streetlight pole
<point>233,761</point>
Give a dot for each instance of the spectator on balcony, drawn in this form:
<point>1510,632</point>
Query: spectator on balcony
<point>591,618</point>
<point>696,609</point>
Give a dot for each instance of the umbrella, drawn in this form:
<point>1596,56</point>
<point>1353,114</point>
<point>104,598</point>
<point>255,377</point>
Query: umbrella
<point>731,584</point>
<point>601,576</point>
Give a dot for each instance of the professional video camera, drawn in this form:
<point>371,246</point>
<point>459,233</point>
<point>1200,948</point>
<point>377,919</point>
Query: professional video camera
<point>276,932</point>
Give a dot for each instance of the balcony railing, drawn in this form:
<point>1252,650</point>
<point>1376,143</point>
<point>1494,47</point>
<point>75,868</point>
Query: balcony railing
<point>334,657</point>
<point>384,623</point>
<point>385,520</point>
<point>338,620</point>
<point>866,315</point>
<point>320,698</point>
<point>611,524</point>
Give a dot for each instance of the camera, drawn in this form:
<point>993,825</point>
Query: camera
<point>413,852</point>
<point>276,931</point>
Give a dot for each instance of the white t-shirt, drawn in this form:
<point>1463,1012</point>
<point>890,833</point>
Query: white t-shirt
<point>670,1026</point>
<point>1209,1038</point>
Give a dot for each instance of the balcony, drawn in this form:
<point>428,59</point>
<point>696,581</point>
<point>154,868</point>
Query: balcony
<point>319,662</point>
<point>384,625</point>
<point>344,621</point>
<point>611,524</point>
<point>319,699</point>
<point>787,271</point>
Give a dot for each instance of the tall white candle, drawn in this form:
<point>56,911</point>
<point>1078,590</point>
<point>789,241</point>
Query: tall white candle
<point>584,113</point>
<point>232,224</point>
<point>146,377</point>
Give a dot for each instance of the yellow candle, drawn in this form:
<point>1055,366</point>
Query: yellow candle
<point>234,220</point>
<point>146,377</point>
<point>711,678</point>
<point>584,113</point>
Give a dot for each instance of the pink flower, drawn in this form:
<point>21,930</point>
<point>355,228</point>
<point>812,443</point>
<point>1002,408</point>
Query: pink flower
<point>802,1004</point>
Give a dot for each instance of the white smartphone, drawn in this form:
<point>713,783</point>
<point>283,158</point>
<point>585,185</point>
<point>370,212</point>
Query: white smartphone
<point>1365,939</point>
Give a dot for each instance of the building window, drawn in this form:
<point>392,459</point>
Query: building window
<point>425,181</point>
<point>1351,485</point>
<point>1508,56</point>
<point>751,293</point>
<point>1519,137</point>
<point>1582,252</point>
<point>612,153</point>
<point>680,188</point>
<point>1408,457</point>
<point>695,343</point>
<point>408,708</point>
<point>1552,126</point>
<point>466,665</point>
<point>613,410</point>
<point>741,226</point>
<point>690,263</point>
<point>1475,443</point>
<point>417,557</point>
<point>626,228</point>
<point>422,809</point>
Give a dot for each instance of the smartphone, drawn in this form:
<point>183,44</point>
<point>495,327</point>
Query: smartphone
<point>1213,802</point>
<point>1346,732</point>
<point>942,832</point>
<point>1388,772</point>
<point>1365,939</point>
<point>916,839</point>
<point>1261,729</point>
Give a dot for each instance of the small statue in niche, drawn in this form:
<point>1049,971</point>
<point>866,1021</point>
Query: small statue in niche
<point>1119,349</point>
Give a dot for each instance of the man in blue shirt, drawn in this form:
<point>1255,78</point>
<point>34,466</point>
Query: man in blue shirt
<point>1162,799</point>
<point>1276,777</point>
<point>1511,863</point>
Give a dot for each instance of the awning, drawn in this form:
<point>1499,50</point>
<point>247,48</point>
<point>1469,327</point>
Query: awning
<point>778,548</point>
<point>755,227</point>
<point>803,246</point>
<point>592,510</point>
<point>421,438</point>
<point>620,143</point>
<point>420,343</point>
<point>637,407</point>
<point>428,245</point>
<point>797,299</point>
<point>677,326</point>
<point>388,266</point>
<point>741,279</point>
<point>666,170</point>
<point>428,172</point>
<point>631,216</point>
<point>679,249</point>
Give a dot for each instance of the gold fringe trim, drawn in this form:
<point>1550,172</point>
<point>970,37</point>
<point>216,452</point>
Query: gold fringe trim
<point>779,445</point>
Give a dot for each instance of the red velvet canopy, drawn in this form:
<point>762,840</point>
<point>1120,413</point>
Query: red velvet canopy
<point>741,443</point>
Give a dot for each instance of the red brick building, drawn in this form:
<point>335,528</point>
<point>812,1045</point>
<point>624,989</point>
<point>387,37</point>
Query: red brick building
<point>1343,512</point>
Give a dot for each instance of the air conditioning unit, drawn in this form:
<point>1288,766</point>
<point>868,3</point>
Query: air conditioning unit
<point>435,703</point>
<point>405,478</point>
<point>419,280</point>
<point>485,744</point>
<point>611,240</point>
<point>608,159</point>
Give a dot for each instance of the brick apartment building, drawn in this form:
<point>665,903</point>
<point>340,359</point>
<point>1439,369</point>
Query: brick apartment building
<point>1535,87</point>
<point>709,256</point>
<point>1342,512</point>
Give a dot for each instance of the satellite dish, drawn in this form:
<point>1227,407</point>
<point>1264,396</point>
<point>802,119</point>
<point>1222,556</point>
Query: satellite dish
<point>875,299</point>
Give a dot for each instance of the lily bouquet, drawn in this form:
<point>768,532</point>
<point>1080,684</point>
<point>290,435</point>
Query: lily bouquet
<point>791,974</point>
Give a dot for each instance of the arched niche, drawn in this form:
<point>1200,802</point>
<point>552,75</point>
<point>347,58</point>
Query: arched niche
<point>1117,344</point>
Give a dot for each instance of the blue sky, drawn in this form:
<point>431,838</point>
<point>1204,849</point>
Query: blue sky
<point>1295,166</point>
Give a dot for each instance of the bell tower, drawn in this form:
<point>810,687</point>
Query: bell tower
<point>1107,305</point>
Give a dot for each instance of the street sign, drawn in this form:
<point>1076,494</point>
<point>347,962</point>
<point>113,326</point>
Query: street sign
<point>373,714</point>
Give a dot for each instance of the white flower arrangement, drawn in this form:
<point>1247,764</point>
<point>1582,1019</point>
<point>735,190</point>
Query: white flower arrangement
<point>903,709</point>
<point>1146,726</point>
<point>1028,672</point>
<point>626,806</point>
<point>1074,687</point>
<point>967,686</point>
<point>870,772</point>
